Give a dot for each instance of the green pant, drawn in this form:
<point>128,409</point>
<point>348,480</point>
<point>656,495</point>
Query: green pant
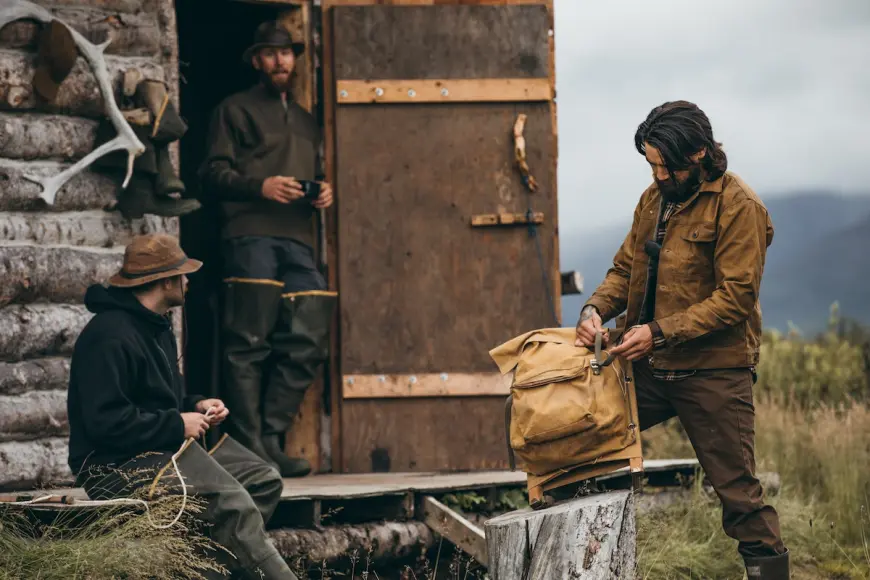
<point>241,491</point>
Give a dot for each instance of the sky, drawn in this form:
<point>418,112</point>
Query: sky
<point>785,83</point>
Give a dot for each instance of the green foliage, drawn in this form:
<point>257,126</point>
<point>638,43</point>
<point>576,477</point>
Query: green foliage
<point>830,370</point>
<point>465,501</point>
<point>812,427</point>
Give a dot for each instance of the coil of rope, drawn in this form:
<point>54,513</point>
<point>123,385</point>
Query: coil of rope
<point>134,501</point>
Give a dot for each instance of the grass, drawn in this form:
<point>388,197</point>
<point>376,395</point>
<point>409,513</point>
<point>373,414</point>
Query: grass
<point>117,542</point>
<point>813,428</point>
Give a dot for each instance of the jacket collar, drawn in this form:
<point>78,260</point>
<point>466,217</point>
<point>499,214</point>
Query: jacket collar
<point>714,186</point>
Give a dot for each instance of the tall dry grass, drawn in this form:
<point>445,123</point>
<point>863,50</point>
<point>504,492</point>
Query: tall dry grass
<point>813,428</point>
<point>114,542</point>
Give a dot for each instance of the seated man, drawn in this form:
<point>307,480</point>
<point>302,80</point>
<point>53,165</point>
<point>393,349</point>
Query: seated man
<point>128,411</point>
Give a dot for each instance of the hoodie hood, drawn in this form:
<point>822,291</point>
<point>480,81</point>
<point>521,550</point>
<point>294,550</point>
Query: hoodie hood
<point>98,299</point>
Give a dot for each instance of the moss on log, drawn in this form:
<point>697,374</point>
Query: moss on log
<point>33,415</point>
<point>87,190</point>
<point>34,136</point>
<point>132,34</point>
<point>89,228</point>
<point>44,374</point>
<point>53,274</point>
<point>40,330</point>
<point>31,464</point>
<point>77,95</point>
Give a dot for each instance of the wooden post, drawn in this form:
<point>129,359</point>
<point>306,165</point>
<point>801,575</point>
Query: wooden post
<point>592,537</point>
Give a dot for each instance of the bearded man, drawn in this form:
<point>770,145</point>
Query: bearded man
<point>262,158</point>
<point>687,278</point>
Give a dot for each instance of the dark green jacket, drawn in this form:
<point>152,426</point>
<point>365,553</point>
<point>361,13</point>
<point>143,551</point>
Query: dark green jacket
<point>252,137</point>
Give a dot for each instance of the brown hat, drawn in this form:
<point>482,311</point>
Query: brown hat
<point>272,34</point>
<point>56,58</point>
<point>152,257</point>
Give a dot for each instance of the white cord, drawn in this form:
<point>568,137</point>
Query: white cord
<point>129,500</point>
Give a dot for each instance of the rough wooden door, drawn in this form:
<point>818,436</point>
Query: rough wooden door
<point>425,98</point>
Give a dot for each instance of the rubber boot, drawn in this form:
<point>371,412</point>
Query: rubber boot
<point>250,310</point>
<point>166,182</point>
<point>769,568</point>
<point>139,198</point>
<point>301,346</point>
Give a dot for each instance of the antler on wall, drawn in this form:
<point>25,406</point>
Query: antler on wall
<point>125,139</point>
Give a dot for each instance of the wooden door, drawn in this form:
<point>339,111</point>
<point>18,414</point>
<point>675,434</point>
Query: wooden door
<point>423,98</point>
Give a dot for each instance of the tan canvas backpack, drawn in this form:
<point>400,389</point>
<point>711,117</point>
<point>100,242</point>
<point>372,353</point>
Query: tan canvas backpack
<point>568,406</point>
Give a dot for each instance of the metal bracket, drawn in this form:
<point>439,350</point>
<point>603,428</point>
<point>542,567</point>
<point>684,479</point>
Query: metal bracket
<point>506,219</point>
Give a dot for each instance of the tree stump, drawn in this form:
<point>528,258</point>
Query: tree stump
<point>589,538</point>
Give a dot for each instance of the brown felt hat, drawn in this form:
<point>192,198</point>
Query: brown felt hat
<point>272,34</point>
<point>56,57</point>
<point>153,257</point>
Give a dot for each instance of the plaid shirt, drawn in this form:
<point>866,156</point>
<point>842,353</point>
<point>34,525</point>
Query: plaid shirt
<point>658,337</point>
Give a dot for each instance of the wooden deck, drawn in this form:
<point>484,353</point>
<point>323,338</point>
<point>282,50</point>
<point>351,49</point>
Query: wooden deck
<point>353,498</point>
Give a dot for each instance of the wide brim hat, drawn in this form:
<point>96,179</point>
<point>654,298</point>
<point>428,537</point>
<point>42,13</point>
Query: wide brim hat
<point>272,34</point>
<point>150,258</point>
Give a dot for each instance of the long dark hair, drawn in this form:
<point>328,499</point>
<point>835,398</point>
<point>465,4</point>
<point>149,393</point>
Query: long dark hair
<point>679,129</point>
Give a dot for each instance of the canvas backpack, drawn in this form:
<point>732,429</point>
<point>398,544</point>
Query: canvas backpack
<point>568,406</point>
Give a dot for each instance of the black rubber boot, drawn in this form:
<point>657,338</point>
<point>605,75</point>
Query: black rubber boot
<point>251,308</point>
<point>769,568</point>
<point>301,345</point>
<point>166,182</point>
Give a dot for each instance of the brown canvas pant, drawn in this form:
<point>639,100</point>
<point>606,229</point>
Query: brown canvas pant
<point>716,410</point>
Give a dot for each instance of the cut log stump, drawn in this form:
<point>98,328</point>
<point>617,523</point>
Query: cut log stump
<point>590,538</point>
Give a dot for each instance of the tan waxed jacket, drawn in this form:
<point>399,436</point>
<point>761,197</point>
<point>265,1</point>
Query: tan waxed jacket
<point>709,275</point>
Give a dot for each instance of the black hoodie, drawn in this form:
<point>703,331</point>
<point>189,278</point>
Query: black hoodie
<point>126,393</point>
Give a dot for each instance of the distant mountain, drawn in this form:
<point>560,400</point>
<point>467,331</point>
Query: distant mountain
<point>820,254</point>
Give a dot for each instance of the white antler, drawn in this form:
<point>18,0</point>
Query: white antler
<point>125,139</point>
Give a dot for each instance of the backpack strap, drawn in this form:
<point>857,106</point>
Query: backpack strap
<point>508,407</point>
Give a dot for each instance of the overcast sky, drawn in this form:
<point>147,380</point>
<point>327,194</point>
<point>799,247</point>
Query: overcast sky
<point>786,84</point>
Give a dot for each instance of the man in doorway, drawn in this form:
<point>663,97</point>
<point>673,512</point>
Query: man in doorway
<point>687,278</point>
<point>262,158</point>
<point>129,412</point>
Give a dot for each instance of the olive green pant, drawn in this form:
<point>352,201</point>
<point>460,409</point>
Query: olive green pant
<point>240,489</point>
<point>717,412</point>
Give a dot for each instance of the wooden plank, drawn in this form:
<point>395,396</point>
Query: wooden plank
<point>331,224</point>
<point>458,530</point>
<point>405,234</point>
<point>554,159</point>
<point>303,439</point>
<point>427,2</point>
<point>429,434</point>
<point>337,486</point>
<point>425,385</point>
<point>461,42</point>
<point>443,90</point>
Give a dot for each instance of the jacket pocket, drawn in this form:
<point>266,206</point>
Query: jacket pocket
<point>696,246</point>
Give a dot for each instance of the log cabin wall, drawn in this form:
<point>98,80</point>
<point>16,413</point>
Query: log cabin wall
<point>49,255</point>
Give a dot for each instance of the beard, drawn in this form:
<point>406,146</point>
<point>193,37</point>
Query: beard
<point>282,85</point>
<point>679,192</point>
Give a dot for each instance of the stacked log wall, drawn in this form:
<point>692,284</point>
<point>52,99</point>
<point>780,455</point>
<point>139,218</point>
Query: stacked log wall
<point>50,254</point>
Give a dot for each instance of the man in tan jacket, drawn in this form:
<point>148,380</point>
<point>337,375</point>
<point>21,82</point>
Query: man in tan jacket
<point>687,279</point>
